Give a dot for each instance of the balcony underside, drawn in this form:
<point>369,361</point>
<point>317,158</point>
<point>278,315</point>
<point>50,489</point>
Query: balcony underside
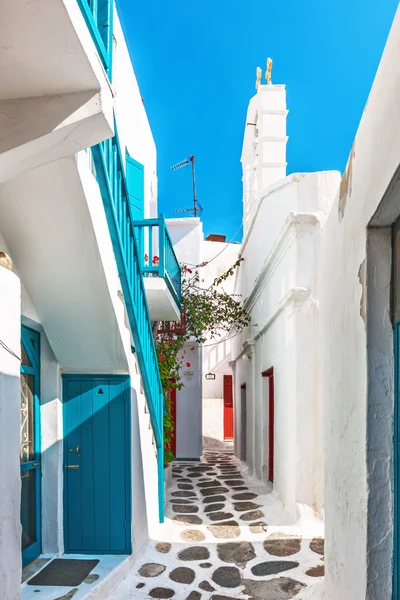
<point>54,224</point>
<point>55,97</point>
<point>162,305</point>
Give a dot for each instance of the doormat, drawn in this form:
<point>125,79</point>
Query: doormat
<point>64,572</point>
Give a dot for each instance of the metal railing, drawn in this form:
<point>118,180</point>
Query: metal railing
<point>156,254</point>
<point>110,175</point>
<point>98,15</point>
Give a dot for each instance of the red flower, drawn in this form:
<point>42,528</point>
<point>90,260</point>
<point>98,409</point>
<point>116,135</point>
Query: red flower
<point>146,258</point>
<point>156,260</point>
<point>170,389</point>
<point>162,357</point>
<point>170,339</point>
<point>190,271</point>
<point>188,364</point>
<point>183,357</point>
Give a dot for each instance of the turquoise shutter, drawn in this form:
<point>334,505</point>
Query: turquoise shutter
<point>135,183</point>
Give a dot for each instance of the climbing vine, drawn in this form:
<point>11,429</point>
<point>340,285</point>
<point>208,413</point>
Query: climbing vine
<point>206,314</point>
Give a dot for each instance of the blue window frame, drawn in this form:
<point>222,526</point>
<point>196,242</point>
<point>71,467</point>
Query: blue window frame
<point>30,446</point>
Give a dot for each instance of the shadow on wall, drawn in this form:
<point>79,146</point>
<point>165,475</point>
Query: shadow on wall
<point>209,442</point>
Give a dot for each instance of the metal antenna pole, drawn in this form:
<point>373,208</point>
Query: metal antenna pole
<point>192,159</point>
<point>196,206</point>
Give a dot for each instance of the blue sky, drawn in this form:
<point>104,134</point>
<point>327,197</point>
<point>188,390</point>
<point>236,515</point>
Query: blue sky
<point>196,61</point>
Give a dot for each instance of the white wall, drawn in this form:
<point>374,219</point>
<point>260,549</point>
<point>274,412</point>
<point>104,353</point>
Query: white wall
<point>187,237</point>
<point>189,407</point>
<point>264,146</point>
<point>356,346</point>
<point>220,256</point>
<point>55,229</point>
<point>279,282</point>
<point>10,482</point>
<point>133,125</point>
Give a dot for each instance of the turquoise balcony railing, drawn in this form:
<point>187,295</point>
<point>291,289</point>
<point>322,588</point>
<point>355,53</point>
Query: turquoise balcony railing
<point>98,15</point>
<point>108,162</point>
<point>157,256</point>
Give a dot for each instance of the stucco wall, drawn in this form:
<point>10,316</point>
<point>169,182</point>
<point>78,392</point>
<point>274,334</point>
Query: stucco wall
<point>10,482</point>
<point>220,256</point>
<point>189,406</point>
<point>187,237</point>
<point>40,246</point>
<point>279,282</point>
<point>355,358</point>
<point>133,125</point>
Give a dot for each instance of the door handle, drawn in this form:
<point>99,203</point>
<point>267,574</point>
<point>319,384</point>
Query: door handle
<point>35,464</point>
<point>72,467</point>
<point>78,450</point>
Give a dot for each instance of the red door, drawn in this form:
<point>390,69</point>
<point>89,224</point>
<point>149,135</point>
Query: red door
<point>271,422</point>
<point>228,407</point>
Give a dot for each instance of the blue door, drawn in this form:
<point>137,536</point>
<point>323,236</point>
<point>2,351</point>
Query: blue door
<point>96,416</point>
<point>135,184</point>
<point>30,450</point>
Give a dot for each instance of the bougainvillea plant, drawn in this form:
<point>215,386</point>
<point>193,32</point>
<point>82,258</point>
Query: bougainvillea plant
<point>207,313</point>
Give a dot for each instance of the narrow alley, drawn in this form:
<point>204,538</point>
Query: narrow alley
<point>226,536</point>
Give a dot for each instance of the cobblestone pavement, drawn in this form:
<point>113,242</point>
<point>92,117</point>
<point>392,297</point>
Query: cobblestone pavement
<point>226,537</point>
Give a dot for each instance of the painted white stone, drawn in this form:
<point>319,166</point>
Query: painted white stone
<point>53,225</point>
<point>217,354</point>
<point>10,481</point>
<point>187,237</point>
<point>278,280</point>
<point>162,305</point>
<point>56,110</point>
<point>264,146</point>
<point>356,376</point>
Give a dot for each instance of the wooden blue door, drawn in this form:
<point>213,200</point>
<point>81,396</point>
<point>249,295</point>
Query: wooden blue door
<point>135,183</point>
<point>30,447</point>
<point>96,414</point>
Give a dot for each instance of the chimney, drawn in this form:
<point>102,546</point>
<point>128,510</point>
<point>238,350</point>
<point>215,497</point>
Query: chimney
<point>264,145</point>
<point>215,237</point>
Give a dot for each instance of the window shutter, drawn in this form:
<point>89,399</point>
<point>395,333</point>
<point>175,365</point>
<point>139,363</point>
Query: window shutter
<point>135,183</point>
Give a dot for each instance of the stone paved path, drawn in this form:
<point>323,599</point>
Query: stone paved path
<point>226,537</point>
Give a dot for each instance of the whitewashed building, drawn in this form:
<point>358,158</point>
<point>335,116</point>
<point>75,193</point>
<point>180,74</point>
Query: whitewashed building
<point>278,412</point>
<point>217,392</point>
<point>359,352</point>
<point>322,354</point>
<point>187,238</point>
<point>81,404</point>
<point>198,408</point>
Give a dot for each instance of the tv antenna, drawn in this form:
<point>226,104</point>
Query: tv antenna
<point>196,205</point>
